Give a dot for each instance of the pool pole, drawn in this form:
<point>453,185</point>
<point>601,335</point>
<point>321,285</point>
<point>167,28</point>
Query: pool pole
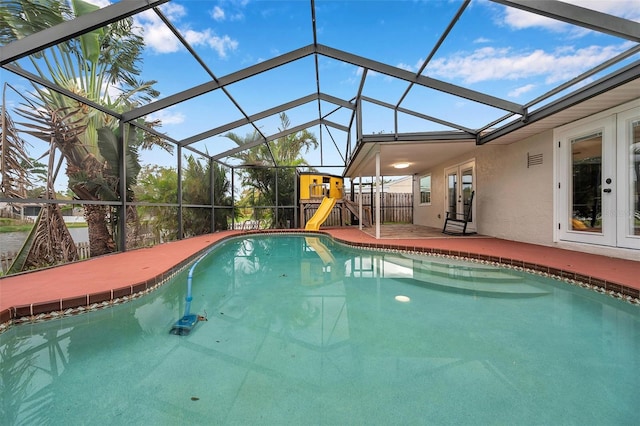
<point>188,321</point>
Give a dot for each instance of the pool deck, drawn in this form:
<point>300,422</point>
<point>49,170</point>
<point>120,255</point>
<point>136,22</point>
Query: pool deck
<point>102,281</point>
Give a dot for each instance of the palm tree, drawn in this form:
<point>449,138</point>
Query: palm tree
<point>159,185</point>
<point>195,190</point>
<point>287,152</point>
<point>91,66</point>
<point>49,241</point>
<point>14,159</point>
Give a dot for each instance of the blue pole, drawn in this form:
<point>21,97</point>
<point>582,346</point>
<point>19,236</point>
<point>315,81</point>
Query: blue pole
<point>185,324</point>
<point>189,298</point>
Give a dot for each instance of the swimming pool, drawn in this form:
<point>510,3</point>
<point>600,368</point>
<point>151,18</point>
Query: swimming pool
<point>302,330</point>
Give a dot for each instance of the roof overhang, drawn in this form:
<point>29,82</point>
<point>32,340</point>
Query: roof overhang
<point>419,155</point>
<point>425,151</point>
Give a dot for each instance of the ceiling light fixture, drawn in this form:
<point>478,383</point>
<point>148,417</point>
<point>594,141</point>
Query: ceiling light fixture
<point>401,165</point>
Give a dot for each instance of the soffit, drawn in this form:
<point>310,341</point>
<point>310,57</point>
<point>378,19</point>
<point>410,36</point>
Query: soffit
<point>423,155</point>
<point>614,97</point>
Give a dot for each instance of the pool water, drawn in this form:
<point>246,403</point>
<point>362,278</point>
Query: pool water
<point>306,331</point>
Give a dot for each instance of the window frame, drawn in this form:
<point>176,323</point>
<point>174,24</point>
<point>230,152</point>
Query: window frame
<point>420,192</point>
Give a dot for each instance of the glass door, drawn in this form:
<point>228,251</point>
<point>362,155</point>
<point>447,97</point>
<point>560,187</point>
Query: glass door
<point>629,178</point>
<point>586,184</point>
<point>460,184</point>
<point>452,191</point>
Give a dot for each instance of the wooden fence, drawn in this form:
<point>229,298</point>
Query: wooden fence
<point>395,207</point>
<point>6,258</point>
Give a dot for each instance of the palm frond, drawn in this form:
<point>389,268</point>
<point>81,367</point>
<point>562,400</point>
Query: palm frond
<point>62,127</point>
<point>49,242</point>
<point>20,18</point>
<point>14,160</point>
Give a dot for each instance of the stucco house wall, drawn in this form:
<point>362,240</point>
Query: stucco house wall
<point>512,201</point>
<point>399,186</point>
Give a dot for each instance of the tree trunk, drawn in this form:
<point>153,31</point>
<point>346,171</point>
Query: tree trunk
<point>52,243</point>
<point>100,240</point>
<point>133,228</point>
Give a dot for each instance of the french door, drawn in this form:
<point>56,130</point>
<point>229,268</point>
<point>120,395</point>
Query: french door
<point>598,190</point>
<point>628,132</point>
<point>460,184</point>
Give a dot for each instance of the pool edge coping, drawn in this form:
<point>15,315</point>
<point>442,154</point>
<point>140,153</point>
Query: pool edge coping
<point>43,311</point>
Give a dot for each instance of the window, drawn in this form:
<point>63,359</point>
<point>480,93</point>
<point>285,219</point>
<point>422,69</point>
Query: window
<point>425,189</point>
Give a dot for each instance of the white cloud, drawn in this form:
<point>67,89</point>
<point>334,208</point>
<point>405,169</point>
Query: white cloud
<point>156,35</point>
<point>412,68</point>
<point>520,19</point>
<point>628,9</point>
<point>489,63</point>
<point>173,11</point>
<point>167,117</point>
<point>238,16</point>
<point>99,3</point>
<point>515,93</point>
<point>232,11</point>
<point>161,40</point>
<point>217,13</point>
<point>370,73</point>
<point>220,44</point>
<point>480,40</point>
<point>112,91</point>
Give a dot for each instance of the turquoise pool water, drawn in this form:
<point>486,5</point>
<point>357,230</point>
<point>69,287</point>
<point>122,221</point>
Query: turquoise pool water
<point>305,331</point>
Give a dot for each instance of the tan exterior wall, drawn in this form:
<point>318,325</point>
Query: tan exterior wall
<point>512,201</point>
<point>400,186</point>
<point>516,201</point>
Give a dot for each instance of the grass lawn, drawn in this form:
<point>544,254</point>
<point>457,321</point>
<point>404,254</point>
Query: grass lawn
<point>14,225</point>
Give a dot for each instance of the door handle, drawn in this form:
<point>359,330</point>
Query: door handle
<point>606,190</point>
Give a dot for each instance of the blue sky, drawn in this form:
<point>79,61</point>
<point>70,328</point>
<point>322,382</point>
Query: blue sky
<point>493,49</point>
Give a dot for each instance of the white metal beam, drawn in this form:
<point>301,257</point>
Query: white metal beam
<point>220,82</point>
<point>629,73</point>
<point>419,115</point>
<point>421,80</point>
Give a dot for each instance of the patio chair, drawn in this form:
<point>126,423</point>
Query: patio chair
<point>456,223</point>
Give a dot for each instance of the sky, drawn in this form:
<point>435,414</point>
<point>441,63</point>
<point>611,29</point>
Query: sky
<point>493,49</point>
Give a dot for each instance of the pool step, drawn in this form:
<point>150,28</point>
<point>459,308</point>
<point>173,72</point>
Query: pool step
<point>489,289</point>
<point>471,274</point>
<point>465,277</point>
<point>461,270</point>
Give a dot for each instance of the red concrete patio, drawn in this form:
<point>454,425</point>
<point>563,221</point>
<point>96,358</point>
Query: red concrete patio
<point>100,281</point>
